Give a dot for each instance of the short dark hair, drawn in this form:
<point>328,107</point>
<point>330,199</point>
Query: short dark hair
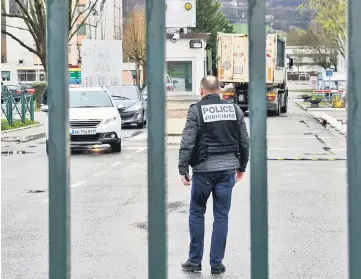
<point>210,83</point>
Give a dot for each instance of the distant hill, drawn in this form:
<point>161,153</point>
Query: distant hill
<point>281,14</point>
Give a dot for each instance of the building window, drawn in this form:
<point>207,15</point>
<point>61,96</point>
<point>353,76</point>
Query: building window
<point>5,75</point>
<point>280,53</point>
<point>181,74</point>
<point>81,30</point>
<point>27,75</point>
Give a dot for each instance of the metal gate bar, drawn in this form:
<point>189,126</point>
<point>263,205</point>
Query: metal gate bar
<point>58,100</point>
<point>258,127</point>
<point>354,138</point>
<point>157,216</point>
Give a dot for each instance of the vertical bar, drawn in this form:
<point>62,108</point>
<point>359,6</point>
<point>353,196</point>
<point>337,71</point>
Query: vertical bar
<point>354,137</point>
<point>58,102</point>
<point>23,111</point>
<point>258,129</point>
<point>10,109</point>
<point>157,216</point>
<point>32,107</point>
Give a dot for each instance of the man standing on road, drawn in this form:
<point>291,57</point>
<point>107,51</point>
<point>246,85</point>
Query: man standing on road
<point>215,144</point>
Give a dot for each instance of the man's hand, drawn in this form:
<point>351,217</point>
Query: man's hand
<point>239,176</point>
<point>185,181</point>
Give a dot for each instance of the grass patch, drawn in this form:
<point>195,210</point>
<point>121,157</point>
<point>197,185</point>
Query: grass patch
<point>308,104</point>
<point>16,124</point>
<point>301,90</point>
<point>36,108</point>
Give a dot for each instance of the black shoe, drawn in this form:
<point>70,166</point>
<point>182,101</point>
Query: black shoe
<point>188,266</point>
<point>220,268</point>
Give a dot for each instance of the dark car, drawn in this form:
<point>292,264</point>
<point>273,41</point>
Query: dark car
<point>135,109</point>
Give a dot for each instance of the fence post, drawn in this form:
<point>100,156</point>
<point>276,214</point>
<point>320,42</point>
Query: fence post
<point>32,107</point>
<point>157,215</point>
<point>9,108</point>
<point>23,107</point>
<point>58,142</point>
<point>258,127</point>
<point>354,137</point>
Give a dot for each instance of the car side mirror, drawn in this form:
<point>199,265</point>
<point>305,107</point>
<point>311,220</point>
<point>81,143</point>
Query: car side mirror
<point>44,108</point>
<point>120,107</point>
<point>290,62</point>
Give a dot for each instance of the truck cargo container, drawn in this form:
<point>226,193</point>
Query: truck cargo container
<point>233,70</point>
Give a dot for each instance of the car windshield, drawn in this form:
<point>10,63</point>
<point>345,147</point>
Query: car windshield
<point>89,99</point>
<point>12,88</point>
<point>123,92</point>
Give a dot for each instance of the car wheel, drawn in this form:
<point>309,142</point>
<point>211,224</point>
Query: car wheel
<point>47,147</point>
<point>116,147</point>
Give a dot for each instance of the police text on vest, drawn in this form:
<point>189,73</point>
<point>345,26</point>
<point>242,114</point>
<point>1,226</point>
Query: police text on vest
<point>218,112</point>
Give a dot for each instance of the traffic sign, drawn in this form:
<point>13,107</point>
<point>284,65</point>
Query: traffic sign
<point>180,13</point>
<point>329,73</point>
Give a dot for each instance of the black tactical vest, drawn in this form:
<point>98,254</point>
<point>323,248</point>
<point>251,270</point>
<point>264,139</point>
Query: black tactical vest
<point>219,130</point>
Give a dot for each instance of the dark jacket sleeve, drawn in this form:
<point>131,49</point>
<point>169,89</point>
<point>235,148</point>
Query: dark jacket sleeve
<point>188,141</point>
<point>45,96</point>
<point>243,141</point>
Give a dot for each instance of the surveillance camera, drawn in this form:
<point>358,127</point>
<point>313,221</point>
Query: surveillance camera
<point>175,38</point>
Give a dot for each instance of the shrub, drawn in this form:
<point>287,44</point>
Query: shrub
<point>39,88</point>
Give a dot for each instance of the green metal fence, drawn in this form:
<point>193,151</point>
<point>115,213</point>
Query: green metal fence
<point>59,206</point>
<point>18,105</point>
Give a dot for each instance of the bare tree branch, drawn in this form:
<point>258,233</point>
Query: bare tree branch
<point>88,12</point>
<point>20,42</point>
<point>17,27</point>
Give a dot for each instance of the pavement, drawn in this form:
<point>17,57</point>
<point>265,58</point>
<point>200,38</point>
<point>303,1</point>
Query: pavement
<point>307,209</point>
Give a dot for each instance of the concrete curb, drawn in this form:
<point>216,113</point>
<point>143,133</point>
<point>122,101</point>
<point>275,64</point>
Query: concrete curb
<point>21,128</point>
<point>24,139</point>
<point>326,119</point>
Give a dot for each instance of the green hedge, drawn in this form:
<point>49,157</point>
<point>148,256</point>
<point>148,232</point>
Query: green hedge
<point>39,88</point>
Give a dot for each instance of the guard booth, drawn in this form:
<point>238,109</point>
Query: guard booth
<point>59,193</point>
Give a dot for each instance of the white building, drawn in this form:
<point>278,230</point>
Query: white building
<point>20,65</point>
<point>186,61</point>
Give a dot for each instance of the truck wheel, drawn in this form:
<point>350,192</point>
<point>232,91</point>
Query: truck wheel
<point>285,107</point>
<point>117,147</point>
<point>278,109</point>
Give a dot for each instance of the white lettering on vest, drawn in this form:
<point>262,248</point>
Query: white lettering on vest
<point>218,112</point>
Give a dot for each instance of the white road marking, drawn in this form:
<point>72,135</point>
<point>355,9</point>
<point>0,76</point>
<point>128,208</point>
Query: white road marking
<point>141,149</point>
<point>129,156</point>
<point>132,166</point>
<point>98,173</point>
<point>45,201</point>
<point>77,184</point>
<point>115,164</point>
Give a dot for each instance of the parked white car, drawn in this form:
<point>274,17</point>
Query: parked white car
<point>94,118</point>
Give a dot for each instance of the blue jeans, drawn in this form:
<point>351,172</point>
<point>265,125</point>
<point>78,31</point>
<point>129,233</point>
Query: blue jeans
<point>220,184</point>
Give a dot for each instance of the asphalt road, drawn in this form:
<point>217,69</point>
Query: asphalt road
<point>307,210</point>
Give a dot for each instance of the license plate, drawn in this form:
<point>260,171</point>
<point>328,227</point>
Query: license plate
<point>83,131</point>
<point>241,98</point>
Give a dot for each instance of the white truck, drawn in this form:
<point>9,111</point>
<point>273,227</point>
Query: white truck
<point>232,69</point>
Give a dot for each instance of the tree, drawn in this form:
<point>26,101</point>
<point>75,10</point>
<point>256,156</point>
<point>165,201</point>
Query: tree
<point>315,45</point>
<point>210,19</point>
<point>33,18</point>
<point>323,51</point>
<point>134,41</point>
<point>331,16</point>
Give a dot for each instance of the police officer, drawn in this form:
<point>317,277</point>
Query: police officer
<point>215,144</point>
